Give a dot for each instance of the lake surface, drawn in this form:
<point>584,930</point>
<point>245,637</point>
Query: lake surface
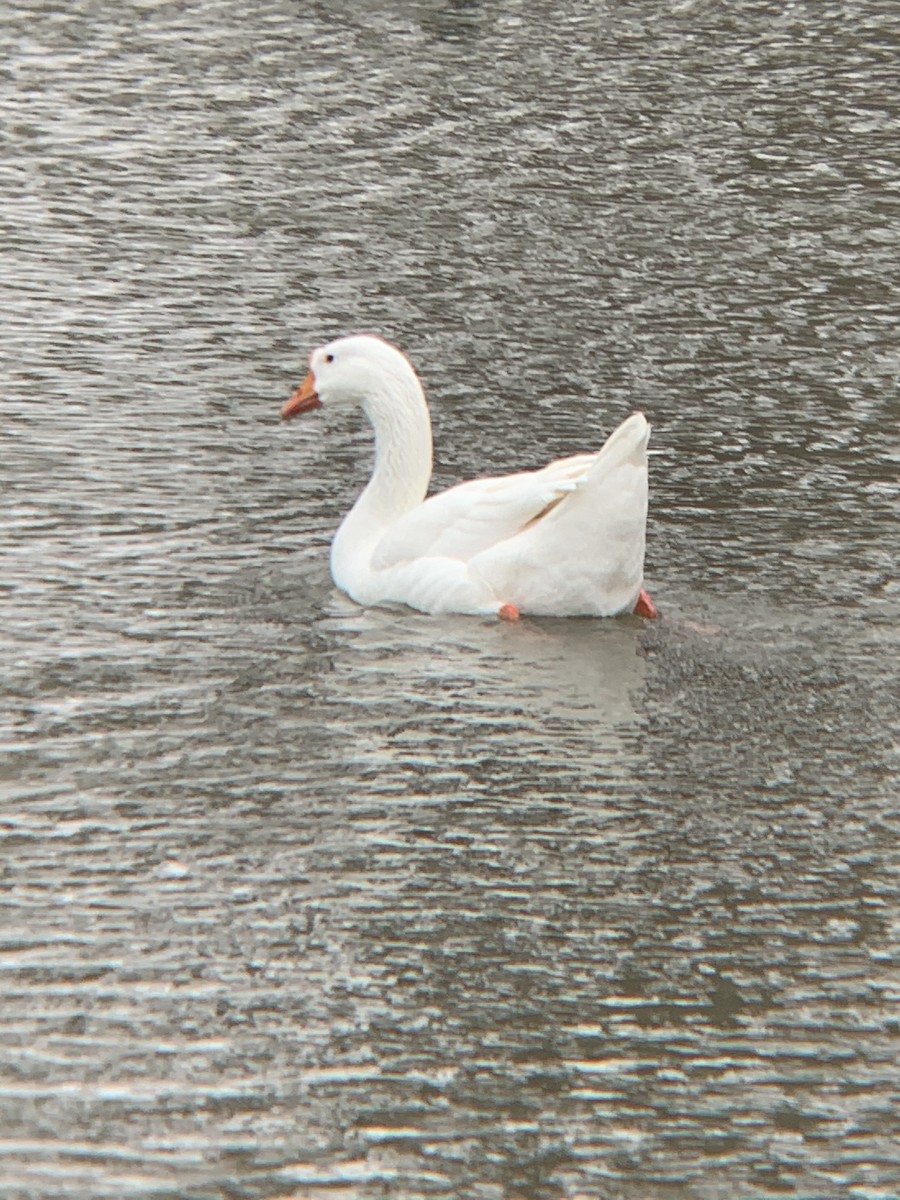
<point>304,901</point>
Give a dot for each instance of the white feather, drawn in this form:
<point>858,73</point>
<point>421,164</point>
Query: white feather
<point>565,540</point>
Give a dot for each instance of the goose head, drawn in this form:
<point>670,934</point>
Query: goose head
<point>359,371</point>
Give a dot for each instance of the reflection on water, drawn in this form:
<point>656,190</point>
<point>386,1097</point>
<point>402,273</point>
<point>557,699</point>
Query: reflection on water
<point>302,900</point>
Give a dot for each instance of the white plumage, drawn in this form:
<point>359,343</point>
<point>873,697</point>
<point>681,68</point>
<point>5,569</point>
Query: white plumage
<point>565,540</point>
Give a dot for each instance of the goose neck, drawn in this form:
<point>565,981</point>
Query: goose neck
<point>403,450</point>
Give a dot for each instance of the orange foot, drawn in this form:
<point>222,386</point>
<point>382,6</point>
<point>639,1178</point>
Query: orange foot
<point>645,606</point>
<point>508,612</point>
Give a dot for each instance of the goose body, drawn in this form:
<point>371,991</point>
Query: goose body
<point>565,540</point>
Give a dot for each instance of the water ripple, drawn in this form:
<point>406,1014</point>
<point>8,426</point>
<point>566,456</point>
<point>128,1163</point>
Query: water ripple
<point>300,899</point>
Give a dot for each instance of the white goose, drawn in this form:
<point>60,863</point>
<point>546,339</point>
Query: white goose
<point>567,540</point>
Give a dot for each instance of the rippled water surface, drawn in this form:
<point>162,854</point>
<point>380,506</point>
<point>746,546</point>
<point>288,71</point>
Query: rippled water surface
<point>305,901</point>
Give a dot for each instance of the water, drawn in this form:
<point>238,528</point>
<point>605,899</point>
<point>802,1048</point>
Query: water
<point>305,901</point>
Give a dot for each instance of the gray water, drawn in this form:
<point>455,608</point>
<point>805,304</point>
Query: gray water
<point>303,901</point>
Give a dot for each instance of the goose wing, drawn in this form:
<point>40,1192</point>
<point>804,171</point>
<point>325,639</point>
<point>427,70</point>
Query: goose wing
<point>471,517</point>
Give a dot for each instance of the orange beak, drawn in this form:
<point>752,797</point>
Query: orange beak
<point>303,400</point>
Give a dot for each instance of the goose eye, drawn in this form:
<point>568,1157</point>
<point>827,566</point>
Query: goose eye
<point>329,358</point>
